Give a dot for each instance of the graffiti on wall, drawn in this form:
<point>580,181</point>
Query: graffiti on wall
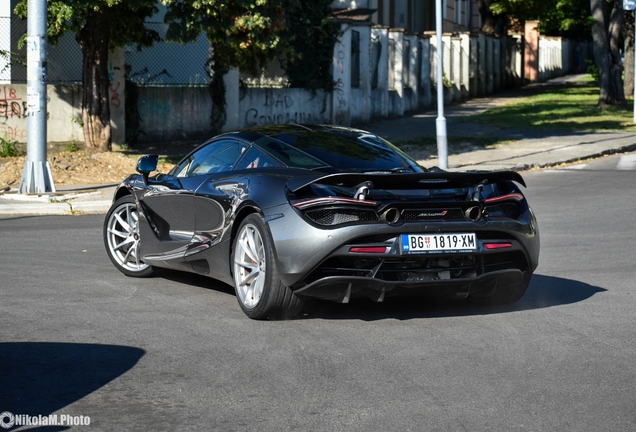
<point>11,105</point>
<point>277,110</point>
<point>115,98</point>
<point>153,107</point>
<point>341,112</point>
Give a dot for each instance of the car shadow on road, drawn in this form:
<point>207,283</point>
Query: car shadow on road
<point>40,378</point>
<point>197,280</point>
<point>543,292</point>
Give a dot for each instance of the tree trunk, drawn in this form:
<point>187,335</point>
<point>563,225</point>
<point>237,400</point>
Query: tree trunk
<point>629,53</point>
<point>606,54</point>
<point>490,24</point>
<point>217,72</point>
<point>93,39</point>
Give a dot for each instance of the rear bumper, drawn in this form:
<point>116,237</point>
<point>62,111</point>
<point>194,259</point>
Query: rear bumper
<point>342,289</point>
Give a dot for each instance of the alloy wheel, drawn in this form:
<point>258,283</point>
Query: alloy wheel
<point>249,266</point>
<point>123,237</point>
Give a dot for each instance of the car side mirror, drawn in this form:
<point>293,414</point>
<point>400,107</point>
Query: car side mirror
<point>146,165</point>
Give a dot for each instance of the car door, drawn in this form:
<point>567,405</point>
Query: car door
<point>170,206</point>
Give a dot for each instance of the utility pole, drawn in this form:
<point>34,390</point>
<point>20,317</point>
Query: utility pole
<point>36,177</point>
<point>440,123</point>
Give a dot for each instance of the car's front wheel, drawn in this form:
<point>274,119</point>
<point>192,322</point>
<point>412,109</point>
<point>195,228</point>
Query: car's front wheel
<point>122,240</point>
<point>259,290</point>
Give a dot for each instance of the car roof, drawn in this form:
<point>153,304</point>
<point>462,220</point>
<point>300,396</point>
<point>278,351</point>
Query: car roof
<point>273,131</point>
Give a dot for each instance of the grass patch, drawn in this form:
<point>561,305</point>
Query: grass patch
<point>568,108</point>
<point>72,147</point>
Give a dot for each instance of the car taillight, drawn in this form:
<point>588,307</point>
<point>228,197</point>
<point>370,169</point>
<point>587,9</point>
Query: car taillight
<point>312,202</point>
<point>513,197</point>
<point>492,246</point>
<point>369,249</point>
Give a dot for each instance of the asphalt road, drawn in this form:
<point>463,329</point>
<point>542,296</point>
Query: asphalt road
<point>176,353</point>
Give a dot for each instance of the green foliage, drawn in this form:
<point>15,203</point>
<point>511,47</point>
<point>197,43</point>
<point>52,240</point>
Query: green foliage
<point>72,147</point>
<point>247,34</point>
<point>120,22</point>
<point>567,18</point>
<point>8,148</point>
<point>9,58</point>
<point>242,33</point>
<point>308,44</point>
<point>77,119</point>
<point>99,26</point>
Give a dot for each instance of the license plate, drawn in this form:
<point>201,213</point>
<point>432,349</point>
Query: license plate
<point>454,243</point>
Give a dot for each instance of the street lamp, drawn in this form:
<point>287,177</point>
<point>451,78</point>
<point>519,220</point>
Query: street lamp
<point>36,177</point>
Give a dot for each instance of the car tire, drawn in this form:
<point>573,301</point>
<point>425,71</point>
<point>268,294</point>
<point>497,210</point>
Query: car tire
<point>122,240</point>
<point>259,290</point>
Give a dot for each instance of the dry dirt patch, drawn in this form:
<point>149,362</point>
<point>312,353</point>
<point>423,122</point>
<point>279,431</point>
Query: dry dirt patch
<point>77,168</point>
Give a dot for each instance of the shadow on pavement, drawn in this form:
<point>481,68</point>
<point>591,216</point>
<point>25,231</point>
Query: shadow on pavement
<point>40,378</point>
<point>543,292</point>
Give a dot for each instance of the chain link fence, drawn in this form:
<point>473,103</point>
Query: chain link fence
<point>272,76</point>
<point>169,63</point>
<point>64,59</point>
<point>163,64</point>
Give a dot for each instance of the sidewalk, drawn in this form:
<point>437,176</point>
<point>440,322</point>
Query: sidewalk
<point>534,149</point>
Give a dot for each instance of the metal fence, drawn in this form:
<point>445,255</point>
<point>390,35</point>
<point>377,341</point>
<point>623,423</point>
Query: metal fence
<point>168,63</point>
<point>163,64</point>
<point>64,59</point>
<point>271,76</point>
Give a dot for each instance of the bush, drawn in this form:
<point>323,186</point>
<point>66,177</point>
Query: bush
<point>8,148</point>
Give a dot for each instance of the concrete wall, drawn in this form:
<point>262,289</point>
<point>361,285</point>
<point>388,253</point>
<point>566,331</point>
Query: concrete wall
<point>64,104</point>
<point>174,113</point>
<point>391,82</point>
<point>264,106</point>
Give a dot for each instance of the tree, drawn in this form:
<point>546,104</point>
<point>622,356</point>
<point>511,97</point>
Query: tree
<point>99,26</point>
<point>491,23</point>
<point>310,37</point>
<point>248,34</point>
<point>628,49</point>
<point>574,18</point>
<point>607,36</point>
<point>242,33</point>
<point>567,18</point>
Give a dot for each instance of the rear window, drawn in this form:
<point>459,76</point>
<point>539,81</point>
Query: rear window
<point>288,154</point>
<point>347,151</point>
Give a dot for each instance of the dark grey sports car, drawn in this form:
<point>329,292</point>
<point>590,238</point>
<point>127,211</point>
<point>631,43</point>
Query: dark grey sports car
<point>290,212</point>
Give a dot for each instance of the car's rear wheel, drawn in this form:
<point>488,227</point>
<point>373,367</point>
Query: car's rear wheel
<point>259,290</point>
<point>122,240</point>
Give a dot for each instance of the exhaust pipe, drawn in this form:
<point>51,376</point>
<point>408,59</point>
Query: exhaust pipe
<point>473,214</point>
<point>390,216</point>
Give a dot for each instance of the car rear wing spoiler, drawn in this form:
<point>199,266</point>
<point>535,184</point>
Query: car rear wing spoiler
<point>427,180</point>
